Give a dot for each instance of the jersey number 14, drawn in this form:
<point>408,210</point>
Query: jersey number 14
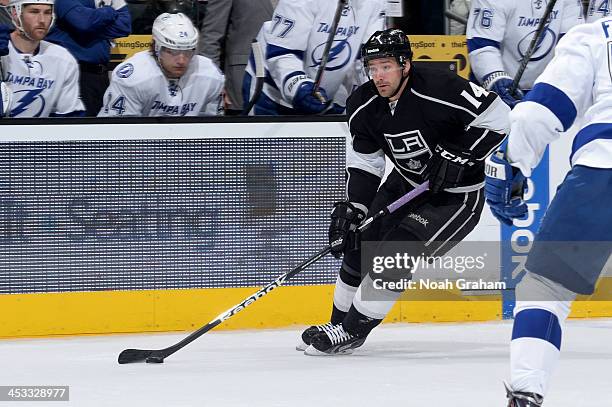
<point>478,93</point>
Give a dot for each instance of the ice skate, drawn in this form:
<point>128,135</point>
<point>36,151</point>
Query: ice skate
<point>333,340</point>
<point>307,335</point>
<point>522,399</point>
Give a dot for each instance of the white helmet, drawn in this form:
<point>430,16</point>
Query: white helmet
<point>174,31</point>
<point>17,5</point>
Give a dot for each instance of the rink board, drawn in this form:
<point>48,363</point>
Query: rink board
<point>179,310</point>
<point>60,277</point>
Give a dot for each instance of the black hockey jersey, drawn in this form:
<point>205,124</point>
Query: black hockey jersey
<point>435,107</point>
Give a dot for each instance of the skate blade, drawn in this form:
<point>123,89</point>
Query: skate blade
<point>302,346</point>
<point>312,351</point>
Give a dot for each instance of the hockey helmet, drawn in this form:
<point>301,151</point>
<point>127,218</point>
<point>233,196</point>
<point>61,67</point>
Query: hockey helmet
<point>391,43</point>
<point>174,31</point>
<point>17,6</point>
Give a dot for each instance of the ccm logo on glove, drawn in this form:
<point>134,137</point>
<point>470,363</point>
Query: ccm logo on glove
<point>447,155</point>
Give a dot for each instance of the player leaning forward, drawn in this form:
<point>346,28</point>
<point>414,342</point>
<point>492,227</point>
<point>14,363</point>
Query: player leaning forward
<point>574,240</point>
<point>168,80</point>
<point>41,79</point>
<point>433,125</point>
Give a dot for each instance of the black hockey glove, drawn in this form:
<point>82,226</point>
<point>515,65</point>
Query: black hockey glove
<point>344,221</point>
<point>446,167</point>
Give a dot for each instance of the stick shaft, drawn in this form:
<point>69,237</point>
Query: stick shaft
<point>532,47</point>
<point>259,75</point>
<point>328,45</point>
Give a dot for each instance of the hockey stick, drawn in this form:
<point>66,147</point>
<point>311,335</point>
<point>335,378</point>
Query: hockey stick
<point>325,56</point>
<point>158,356</point>
<point>259,74</point>
<point>532,47</point>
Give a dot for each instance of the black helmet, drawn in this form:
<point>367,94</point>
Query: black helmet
<point>391,43</point>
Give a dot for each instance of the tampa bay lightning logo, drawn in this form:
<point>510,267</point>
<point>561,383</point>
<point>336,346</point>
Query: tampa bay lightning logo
<point>125,71</point>
<point>35,68</point>
<point>339,55</point>
<point>28,100</point>
<point>545,45</point>
<point>174,88</point>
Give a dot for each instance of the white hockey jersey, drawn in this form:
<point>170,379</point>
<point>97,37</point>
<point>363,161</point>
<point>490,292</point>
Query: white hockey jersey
<point>43,84</point>
<point>499,33</point>
<point>576,84</point>
<point>294,41</point>
<point>139,88</point>
<point>597,9</point>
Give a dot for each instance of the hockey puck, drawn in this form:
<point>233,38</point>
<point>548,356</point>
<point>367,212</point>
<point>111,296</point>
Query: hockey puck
<point>155,359</point>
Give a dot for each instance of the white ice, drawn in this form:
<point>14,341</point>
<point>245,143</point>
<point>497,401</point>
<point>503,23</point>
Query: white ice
<point>458,365</point>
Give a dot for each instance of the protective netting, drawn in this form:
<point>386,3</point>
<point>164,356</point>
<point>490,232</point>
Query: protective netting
<point>152,214</point>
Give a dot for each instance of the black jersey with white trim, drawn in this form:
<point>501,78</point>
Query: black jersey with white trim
<point>435,107</point>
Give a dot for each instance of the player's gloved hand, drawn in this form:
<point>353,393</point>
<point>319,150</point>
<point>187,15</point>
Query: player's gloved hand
<point>307,103</point>
<point>5,37</point>
<point>500,83</point>
<point>5,99</point>
<point>447,166</point>
<point>344,221</point>
<point>504,189</point>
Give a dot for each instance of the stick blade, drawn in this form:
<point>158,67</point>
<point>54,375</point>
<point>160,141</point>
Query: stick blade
<point>133,356</point>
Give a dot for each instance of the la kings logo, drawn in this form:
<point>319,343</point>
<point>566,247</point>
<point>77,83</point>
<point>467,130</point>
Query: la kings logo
<point>409,150</point>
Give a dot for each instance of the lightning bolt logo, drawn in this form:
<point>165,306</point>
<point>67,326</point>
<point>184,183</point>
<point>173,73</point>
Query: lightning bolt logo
<point>337,53</point>
<point>29,96</point>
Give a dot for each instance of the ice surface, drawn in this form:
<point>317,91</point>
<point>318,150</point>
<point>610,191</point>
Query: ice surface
<point>458,365</point>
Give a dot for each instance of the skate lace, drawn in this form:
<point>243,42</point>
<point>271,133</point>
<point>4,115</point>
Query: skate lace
<point>336,334</point>
<point>325,326</point>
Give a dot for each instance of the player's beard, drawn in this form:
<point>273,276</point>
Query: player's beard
<point>37,33</point>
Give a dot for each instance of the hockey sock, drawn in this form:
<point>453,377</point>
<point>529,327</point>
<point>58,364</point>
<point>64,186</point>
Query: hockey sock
<point>534,350</point>
<point>346,287</point>
<point>541,309</point>
<point>370,306</point>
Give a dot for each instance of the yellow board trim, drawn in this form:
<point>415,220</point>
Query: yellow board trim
<point>28,315</point>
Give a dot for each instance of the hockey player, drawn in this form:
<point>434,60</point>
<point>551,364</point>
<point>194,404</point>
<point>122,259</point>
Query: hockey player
<point>499,33</point>
<point>43,77</point>
<point>294,42</point>
<point>597,9</point>
<point>168,80</point>
<point>574,240</point>
<point>433,125</point>
<point>86,29</point>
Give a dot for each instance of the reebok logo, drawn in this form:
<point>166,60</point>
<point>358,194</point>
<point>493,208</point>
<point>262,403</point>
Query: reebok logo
<point>419,219</point>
